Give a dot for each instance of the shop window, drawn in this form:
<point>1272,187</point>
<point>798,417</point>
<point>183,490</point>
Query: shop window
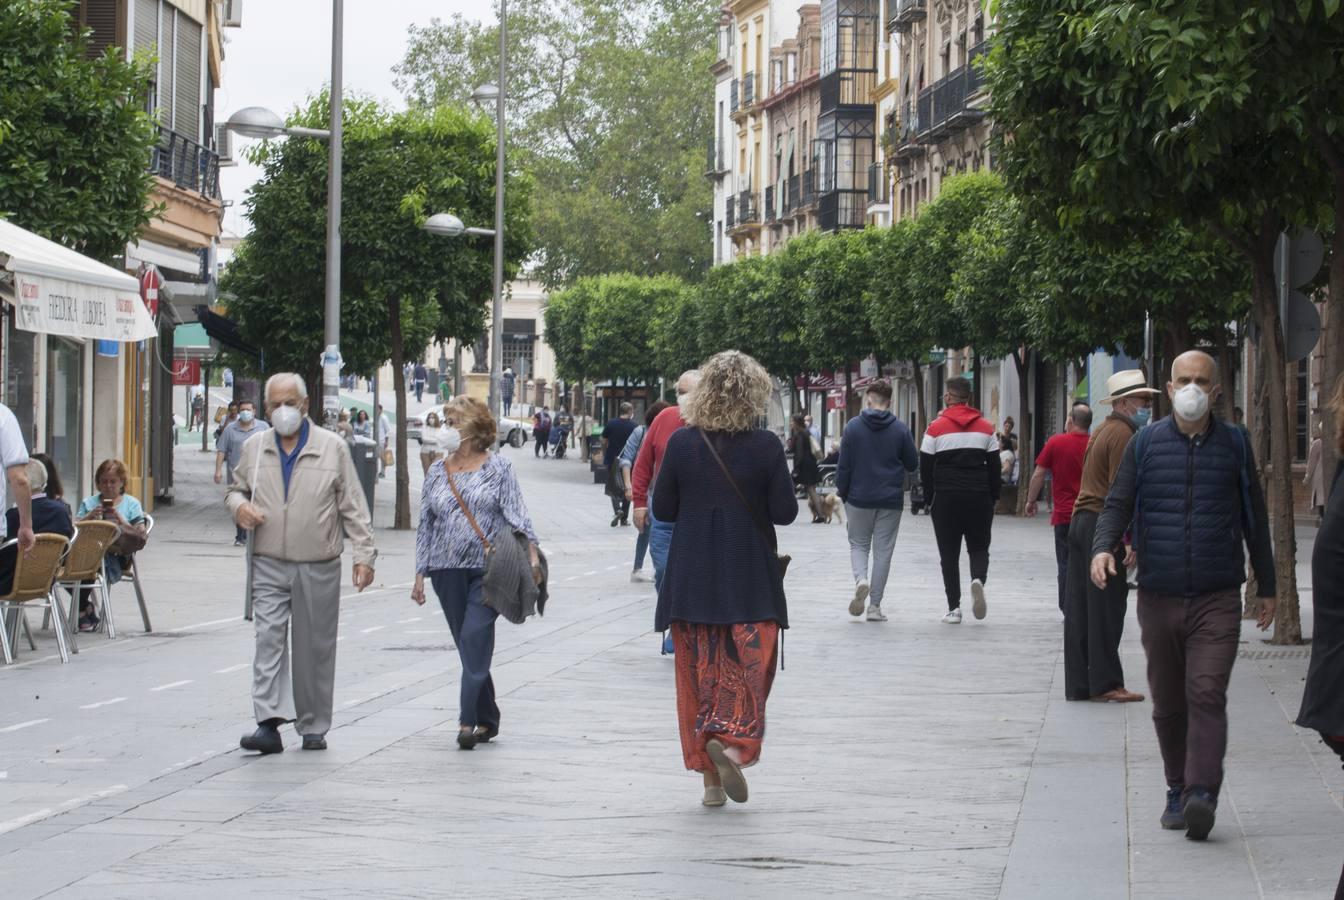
<point>1302,418</point>
<point>65,407</point>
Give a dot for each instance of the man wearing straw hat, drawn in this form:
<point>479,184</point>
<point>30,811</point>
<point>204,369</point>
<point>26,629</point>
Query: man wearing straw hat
<point>1094,617</point>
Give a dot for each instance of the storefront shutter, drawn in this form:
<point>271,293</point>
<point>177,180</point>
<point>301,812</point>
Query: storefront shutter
<point>187,90</point>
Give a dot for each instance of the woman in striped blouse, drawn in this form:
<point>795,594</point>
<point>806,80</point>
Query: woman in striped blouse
<point>451,553</point>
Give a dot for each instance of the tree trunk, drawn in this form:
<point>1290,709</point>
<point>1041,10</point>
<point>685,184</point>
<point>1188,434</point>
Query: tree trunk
<point>1264,298</point>
<point>311,376</point>
<point>1025,458</point>
<point>401,516</point>
<point>1255,417</point>
<point>921,405</point>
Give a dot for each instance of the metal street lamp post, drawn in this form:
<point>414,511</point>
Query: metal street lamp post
<point>258,122</point>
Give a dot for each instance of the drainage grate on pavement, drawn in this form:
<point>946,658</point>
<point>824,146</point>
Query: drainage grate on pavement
<point>1289,653</point>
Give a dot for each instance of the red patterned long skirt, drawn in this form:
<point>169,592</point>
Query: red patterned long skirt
<point>724,673</point>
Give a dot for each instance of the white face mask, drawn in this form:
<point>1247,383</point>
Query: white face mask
<point>449,439</point>
<point>1190,403</point>
<point>286,420</point>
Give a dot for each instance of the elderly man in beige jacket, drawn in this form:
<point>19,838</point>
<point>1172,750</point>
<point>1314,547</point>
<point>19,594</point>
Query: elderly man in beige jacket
<point>296,490</point>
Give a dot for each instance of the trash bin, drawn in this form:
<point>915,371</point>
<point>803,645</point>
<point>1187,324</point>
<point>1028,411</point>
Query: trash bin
<point>365,451</point>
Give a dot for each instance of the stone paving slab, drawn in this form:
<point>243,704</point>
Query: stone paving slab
<point>909,759</point>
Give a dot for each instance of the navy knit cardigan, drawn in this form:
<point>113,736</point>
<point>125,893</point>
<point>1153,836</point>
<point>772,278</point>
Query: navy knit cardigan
<point>721,568</point>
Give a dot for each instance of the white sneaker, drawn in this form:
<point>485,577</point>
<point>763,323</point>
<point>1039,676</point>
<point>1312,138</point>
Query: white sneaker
<point>977,599</point>
<point>875,614</point>
<point>860,597</point>
<point>638,577</point>
<point>953,617</point>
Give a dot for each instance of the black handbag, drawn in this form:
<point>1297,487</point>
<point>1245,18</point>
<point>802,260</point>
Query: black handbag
<point>766,531</point>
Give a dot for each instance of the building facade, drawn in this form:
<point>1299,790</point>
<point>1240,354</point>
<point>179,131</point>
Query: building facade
<point>86,399</point>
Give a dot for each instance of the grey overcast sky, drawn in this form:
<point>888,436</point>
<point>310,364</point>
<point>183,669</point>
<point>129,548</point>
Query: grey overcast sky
<point>282,53</point>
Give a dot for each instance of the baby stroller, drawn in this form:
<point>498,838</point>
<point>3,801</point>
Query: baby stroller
<point>916,491</point>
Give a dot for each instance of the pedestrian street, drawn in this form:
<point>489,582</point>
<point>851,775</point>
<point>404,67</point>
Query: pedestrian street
<point>903,759</point>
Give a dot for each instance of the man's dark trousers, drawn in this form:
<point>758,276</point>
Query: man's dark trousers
<point>958,515</point>
<point>1062,559</point>
<point>1191,644</point>
<point>1094,619</point>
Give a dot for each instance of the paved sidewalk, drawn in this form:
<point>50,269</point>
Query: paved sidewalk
<point>905,759</point>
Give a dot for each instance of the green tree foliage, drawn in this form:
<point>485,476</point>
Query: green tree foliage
<point>400,285</point>
<point>618,328</point>
<point>74,139</point>
<point>1217,114</point>
<point>675,332</point>
<point>900,332</point>
<point>610,105</point>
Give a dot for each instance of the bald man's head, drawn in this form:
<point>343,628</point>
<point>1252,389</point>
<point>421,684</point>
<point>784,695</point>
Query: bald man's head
<point>1194,369</point>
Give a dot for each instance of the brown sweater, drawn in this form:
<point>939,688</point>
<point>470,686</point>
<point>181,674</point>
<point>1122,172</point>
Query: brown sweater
<point>1104,453</point>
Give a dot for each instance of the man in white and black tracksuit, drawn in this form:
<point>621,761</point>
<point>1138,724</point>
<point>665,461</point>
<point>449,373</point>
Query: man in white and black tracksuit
<point>959,467</point>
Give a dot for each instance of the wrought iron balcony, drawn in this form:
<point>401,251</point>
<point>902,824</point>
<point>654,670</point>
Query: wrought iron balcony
<point>185,163</point>
<point>944,107</point>
<point>733,95</point>
<point>714,162</point>
<point>730,212</point>
<point>747,213</point>
<point>808,195</point>
<point>904,13</point>
<point>748,90</point>
<point>791,201</point>
<point>902,140</point>
<point>769,205</point>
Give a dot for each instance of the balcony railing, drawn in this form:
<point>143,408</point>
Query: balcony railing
<point>747,213</point>
<point>808,195</point>
<point>185,163</point>
<point>730,212</point>
<point>841,209</point>
<point>733,91</point>
<point>944,107</point>
<point>714,160</point>
<point>748,89</point>
<point>769,205</point>
<point>903,139</point>
<point>877,184</point>
<point>791,201</point>
<point>904,13</point>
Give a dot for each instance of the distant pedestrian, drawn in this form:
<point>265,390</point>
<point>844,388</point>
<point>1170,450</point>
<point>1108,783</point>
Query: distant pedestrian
<point>1008,451</point>
<point>430,449</point>
<point>1094,617</point>
<point>197,412</point>
<point>343,426</point>
<point>419,377</point>
<point>806,472</point>
<point>1062,458</point>
<point>627,463</point>
<point>470,500</point>
<point>1315,477</point>
<point>408,376</point>
<point>229,449</point>
<point>361,425</point>
<point>229,416</point>
<point>1323,699</point>
<point>812,429</point>
<point>1187,486</point>
<point>961,475</point>
<point>14,457</point>
<point>877,451</point>
<point>299,493</point>
<point>506,386</point>
<point>384,428</point>
<point>541,431</point>
<point>614,437</point>
<point>725,485</point>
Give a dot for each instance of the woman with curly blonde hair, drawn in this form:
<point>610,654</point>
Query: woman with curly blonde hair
<point>725,484</point>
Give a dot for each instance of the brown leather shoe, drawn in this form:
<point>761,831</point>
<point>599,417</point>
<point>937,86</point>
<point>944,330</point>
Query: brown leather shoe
<point>1119,695</point>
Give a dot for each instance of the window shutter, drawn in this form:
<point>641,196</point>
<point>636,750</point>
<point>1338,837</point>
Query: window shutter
<point>167,53</point>
<point>147,25</point>
<point>101,17</point>
<point>187,90</point>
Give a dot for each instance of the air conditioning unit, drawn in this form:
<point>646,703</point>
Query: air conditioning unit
<point>224,145</point>
<point>233,13</point>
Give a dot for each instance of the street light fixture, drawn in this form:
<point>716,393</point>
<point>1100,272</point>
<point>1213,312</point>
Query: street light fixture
<point>259,122</point>
<point>449,225</point>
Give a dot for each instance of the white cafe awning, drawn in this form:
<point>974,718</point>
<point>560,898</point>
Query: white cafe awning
<point>59,291</point>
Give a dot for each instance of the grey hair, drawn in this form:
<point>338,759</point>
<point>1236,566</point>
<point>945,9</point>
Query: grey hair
<point>36,474</point>
<point>689,379</point>
<point>293,378</point>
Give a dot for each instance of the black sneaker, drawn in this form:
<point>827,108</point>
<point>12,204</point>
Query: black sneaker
<point>265,740</point>
<point>1174,817</point>
<point>1199,814</point>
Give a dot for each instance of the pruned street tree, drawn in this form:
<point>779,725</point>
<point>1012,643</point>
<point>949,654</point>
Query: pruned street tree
<point>75,138</point>
<point>837,331</point>
<point>892,309</point>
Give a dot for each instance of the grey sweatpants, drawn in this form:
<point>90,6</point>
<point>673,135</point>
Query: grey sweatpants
<point>872,531</point>
<point>309,596</point>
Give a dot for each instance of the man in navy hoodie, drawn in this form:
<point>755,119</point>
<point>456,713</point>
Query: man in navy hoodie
<point>876,452</point>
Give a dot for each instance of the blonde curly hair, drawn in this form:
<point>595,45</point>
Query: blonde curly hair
<point>731,395</point>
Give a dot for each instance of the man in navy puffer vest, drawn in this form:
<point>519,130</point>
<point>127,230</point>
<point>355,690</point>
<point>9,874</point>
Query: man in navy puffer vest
<point>1187,489</point>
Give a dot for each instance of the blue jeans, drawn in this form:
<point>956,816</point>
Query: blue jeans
<point>641,547</point>
<point>473,626</point>
<point>660,542</point>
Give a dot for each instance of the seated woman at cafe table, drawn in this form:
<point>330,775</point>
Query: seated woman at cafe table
<point>112,504</point>
<point>50,516</point>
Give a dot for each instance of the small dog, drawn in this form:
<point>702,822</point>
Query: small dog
<point>832,507</point>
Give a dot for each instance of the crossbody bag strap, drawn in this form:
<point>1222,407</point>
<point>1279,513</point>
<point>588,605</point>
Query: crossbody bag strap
<point>466,510</point>
<point>767,532</point>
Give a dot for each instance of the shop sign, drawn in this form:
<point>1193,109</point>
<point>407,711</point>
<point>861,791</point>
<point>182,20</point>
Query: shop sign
<point>186,372</point>
<point>55,306</point>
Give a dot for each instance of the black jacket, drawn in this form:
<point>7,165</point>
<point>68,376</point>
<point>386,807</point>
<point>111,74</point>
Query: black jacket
<point>721,568</point>
<point>1323,699</point>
